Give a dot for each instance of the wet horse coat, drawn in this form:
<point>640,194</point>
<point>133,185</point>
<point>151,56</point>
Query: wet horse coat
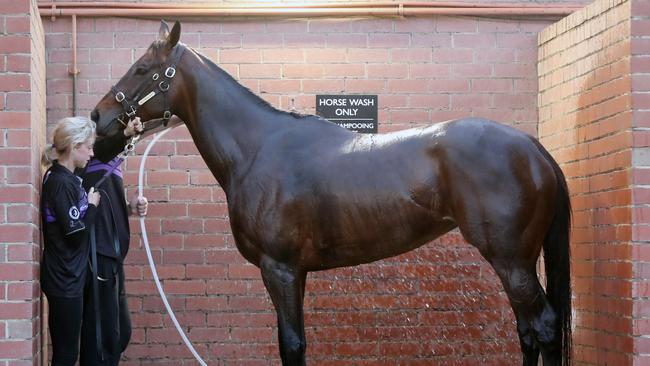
<point>306,195</point>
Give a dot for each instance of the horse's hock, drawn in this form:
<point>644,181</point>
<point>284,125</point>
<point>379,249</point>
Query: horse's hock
<point>440,304</point>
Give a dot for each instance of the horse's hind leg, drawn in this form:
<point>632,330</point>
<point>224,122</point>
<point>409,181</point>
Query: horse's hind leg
<point>286,286</point>
<point>536,321</point>
<point>514,259</point>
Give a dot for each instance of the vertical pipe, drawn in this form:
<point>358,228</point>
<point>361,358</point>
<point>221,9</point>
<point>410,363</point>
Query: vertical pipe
<point>74,65</point>
<point>44,328</point>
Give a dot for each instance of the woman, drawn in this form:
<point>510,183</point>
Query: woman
<point>67,211</point>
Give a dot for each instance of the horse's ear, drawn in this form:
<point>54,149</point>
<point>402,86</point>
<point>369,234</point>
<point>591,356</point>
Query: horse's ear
<point>174,35</point>
<point>164,31</point>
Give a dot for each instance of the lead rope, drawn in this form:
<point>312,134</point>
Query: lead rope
<point>145,240</point>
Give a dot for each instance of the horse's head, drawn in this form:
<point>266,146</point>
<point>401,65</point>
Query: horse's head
<point>147,89</point>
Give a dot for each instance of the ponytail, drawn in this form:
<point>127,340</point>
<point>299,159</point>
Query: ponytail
<point>49,155</point>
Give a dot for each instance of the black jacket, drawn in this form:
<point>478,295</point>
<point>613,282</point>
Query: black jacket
<point>112,224</point>
<point>66,216</point>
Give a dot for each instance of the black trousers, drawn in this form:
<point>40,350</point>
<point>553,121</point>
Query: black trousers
<point>65,315</point>
<point>114,315</point>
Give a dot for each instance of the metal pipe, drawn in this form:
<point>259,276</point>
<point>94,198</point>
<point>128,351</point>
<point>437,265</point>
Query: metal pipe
<point>44,327</point>
<point>294,12</point>
<point>74,70</point>
<point>225,12</point>
<point>326,10</point>
<point>377,4</point>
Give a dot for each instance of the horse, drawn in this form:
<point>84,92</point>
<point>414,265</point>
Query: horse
<point>306,195</point>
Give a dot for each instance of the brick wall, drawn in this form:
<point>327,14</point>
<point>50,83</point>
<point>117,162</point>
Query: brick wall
<point>440,304</point>
<point>593,106</point>
<point>640,101</point>
<point>22,125</point>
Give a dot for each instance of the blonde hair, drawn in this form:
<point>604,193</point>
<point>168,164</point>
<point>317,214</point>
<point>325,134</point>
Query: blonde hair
<point>68,132</point>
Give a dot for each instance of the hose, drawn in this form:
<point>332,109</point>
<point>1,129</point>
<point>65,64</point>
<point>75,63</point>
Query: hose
<point>145,240</point>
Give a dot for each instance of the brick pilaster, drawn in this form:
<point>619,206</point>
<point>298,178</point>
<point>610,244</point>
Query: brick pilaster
<point>22,126</point>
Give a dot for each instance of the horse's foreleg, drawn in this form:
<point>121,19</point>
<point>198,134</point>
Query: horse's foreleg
<point>286,285</point>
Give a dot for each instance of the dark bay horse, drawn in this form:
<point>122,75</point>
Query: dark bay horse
<point>306,195</point>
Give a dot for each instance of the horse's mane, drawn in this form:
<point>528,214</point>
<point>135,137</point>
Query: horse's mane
<point>260,101</point>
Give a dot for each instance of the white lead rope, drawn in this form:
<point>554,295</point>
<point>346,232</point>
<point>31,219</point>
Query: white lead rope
<point>150,258</point>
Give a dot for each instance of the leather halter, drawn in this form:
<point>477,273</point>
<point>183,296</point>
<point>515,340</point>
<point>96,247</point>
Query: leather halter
<point>131,105</point>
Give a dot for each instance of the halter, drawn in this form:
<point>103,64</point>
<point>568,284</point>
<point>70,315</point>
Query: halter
<point>131,105</point>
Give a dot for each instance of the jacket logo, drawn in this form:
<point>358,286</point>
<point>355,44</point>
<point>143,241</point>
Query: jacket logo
<point>74,213</point>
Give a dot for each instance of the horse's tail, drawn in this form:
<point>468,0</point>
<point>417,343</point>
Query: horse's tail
<point>557,258</point>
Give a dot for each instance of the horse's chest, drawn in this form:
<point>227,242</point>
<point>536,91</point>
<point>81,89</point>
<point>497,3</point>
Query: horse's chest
<point>256,217</point>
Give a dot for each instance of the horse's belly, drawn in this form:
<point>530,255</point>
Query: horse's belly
<point>364,242</point>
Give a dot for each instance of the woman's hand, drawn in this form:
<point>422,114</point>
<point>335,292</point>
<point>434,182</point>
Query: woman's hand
<point>93,197</point>
<point>134,126</point>
<point>139,205</point>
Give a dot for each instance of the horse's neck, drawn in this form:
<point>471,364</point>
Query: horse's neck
<point>228,123</point>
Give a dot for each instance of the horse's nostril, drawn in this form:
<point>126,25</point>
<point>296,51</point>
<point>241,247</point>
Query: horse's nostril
<point>94,115</point>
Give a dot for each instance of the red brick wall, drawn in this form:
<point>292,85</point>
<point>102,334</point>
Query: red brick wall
<point>593,123</point>
<point>640,95</point>
<point>440,304</point>
<point>22,125</point>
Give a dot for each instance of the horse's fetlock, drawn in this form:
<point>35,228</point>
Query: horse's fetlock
<point>526,336</point>
<point>546,327</point>
<point>295,346</point>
